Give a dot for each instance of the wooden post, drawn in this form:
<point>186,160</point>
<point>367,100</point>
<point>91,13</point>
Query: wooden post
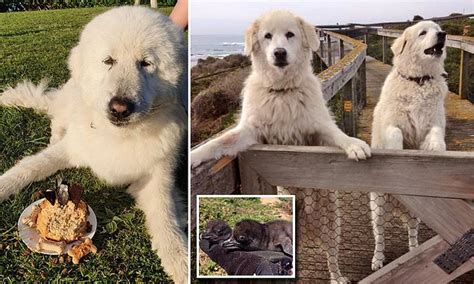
<point>363,86</point>
<point>329,50</point>
<point>464,75</point>
<point>137,2</point>
<point>348,104</point>
<point>366,38</point>
<point>252,182</point>
<point>154,4</point>
<point>384,50</point>
<point>341,49</point>
<point>321,44</point>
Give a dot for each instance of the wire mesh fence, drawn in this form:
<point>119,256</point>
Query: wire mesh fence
<point>335,239</point>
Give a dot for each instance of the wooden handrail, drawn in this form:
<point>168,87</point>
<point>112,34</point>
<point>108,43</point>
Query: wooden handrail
<point>435,19</point>
<point>341,72</point>
<point>408,172</point>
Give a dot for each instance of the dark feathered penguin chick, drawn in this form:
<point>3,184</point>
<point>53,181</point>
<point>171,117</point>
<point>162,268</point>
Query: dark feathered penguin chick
<point>240,262</point>
<point>252,235</point>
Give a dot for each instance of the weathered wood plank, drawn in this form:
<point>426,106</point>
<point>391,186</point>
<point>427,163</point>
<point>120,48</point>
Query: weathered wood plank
<point>408,172</point>
<point>213,177</point>
<point>329,50</point>
<point>349,100</point>
<point>338,74</point>
<point>449,218</point>
<point>464,74</point>
<point>341,48</point>
<point>353,25</point>
<point>384,50</point>
<point>253,182</point>
<point>417,266</point>
<point>363,81</point>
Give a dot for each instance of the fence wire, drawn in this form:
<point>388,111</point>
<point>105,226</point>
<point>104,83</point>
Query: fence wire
<point>335,239</point>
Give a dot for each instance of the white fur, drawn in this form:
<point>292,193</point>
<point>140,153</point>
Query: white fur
<point>296,116</point>
<point>408,116</point>
<point>142,153</point>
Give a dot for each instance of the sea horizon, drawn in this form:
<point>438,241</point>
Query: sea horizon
<point>203,46</point>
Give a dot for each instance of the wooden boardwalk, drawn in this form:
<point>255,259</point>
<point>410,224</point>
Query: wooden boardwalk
<point>460,113</point>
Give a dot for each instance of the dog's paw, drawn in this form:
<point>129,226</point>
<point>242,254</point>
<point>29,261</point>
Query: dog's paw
<point>433,145</point>
<point>197,158</point>
<point>377,262</point>
<point>357,149</point>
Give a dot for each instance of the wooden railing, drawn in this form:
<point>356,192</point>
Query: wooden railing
<point>431,185</point>
<point>347,73</point>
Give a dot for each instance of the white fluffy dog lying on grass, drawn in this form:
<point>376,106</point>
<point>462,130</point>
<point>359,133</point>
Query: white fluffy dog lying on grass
<point>410,114</point>
<point>120,115</point>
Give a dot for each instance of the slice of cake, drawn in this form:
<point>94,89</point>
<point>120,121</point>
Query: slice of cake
<point>62,216</point>
<point>62,223</point>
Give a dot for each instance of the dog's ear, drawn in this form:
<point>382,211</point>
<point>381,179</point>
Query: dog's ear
<point>309,34</point>
<point>399,44</point>
<point>251,38</point>
<point>74,63</point>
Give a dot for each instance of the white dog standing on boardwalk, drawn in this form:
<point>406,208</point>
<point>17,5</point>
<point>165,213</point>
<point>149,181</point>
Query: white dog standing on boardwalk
<point>120,115</point>
<point>410,114</point>
<point>282,99</point>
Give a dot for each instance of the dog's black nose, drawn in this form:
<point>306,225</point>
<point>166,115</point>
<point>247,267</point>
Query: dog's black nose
<point>441,36</point>
<point>120,107</point>
<point>280,53</point>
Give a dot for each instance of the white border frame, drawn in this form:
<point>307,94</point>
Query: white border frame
<point>293,220</point>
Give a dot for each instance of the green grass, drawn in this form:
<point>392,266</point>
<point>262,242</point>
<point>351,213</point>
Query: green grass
<point>233,210</point>
<point>35,45</point>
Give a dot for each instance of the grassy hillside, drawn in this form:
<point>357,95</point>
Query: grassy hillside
<point>35,45</point>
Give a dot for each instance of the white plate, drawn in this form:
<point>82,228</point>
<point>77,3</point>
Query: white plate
<point>30,236</point>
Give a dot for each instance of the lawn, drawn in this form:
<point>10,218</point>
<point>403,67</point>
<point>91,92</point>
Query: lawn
<point>233,210</point>
<point>35,45</point>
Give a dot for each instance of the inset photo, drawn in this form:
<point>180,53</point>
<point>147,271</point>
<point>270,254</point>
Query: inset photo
<point>246,236</point>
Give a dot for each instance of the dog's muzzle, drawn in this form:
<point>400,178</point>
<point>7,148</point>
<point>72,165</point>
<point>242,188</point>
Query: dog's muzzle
<point>120,109</point>
<point>280,56</point>
<point>437,49</point>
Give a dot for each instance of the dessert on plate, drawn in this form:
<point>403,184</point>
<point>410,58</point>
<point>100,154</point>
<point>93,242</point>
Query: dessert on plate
<point>60,219</point>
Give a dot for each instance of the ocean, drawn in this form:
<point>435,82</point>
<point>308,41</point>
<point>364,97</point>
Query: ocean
<point>203,46</point>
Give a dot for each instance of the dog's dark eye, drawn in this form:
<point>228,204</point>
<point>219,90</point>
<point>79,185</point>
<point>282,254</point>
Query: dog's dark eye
<point>145,63</point>
<point>109,61</point>
<point>289,35</point>
<point>422,33</point>
<point>268,36</point>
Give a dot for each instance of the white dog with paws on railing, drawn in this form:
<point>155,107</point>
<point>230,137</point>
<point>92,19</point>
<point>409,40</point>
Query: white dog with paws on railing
<point>409,115</point>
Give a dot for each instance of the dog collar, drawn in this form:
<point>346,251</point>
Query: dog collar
<point>282,90</point>
<point>421,80</point>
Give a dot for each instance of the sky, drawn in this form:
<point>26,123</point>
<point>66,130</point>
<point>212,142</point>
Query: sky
<point>231,17</point>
